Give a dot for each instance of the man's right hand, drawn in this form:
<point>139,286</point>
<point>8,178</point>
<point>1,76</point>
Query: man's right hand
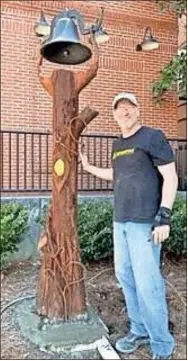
<point>103,173</point>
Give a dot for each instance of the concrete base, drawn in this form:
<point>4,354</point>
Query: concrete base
<point>76,339</point>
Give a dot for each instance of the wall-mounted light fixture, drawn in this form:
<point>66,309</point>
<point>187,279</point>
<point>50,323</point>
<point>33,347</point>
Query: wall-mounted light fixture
<point>149,42</point>
<point>42,27</point>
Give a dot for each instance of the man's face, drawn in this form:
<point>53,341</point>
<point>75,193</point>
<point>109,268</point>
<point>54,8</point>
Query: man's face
<point>126,114</point>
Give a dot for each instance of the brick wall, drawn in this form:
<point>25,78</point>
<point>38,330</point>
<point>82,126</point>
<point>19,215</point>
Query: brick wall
<point>182,31</point>
<point>182,119</point>
<point>182,105</point>
<point>25,105</point>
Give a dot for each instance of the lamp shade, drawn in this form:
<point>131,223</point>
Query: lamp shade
<point>101,36</point>
<point>150,44</point>
<point>42,27</point>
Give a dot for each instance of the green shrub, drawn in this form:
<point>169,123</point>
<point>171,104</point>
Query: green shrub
<point>95,230</point>
<point>14,222</point>
<point>177,242</point>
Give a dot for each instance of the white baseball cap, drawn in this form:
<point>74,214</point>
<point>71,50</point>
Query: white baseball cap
<point>127,96</point>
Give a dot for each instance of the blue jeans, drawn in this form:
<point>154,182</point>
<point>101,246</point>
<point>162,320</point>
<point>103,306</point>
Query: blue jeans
<point>137,268</point>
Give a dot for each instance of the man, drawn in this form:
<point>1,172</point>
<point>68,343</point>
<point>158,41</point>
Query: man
<point>145,184</point>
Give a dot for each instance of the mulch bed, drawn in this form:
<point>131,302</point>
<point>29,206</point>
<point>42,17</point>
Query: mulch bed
<point>104,295</point>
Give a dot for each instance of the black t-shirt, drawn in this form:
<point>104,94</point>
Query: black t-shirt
<point>136,179</point>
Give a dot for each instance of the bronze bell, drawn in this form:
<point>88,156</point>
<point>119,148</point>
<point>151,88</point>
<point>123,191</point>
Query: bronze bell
<point>63,45</point>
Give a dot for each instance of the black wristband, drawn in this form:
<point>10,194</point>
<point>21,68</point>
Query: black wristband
<point>162,217</point>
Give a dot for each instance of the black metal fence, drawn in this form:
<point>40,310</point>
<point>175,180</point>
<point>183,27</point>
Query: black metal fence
<point>26,161</point>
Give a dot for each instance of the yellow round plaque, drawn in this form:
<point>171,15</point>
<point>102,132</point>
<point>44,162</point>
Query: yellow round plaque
<point>59,167</point>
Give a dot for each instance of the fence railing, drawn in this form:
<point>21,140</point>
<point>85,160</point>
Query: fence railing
<point>26,161</point>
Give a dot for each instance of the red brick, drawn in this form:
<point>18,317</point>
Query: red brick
<point>25,105</point>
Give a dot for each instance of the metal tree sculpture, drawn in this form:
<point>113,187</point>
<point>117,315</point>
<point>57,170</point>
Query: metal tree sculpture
<point>61,292</point>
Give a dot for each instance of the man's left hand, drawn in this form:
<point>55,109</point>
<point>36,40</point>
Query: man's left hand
<point>160,234</point>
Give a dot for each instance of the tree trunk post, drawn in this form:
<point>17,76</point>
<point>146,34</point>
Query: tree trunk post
<point>61,291</point>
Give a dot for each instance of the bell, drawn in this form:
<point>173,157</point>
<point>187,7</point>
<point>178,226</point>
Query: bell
<point>63,45</point>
